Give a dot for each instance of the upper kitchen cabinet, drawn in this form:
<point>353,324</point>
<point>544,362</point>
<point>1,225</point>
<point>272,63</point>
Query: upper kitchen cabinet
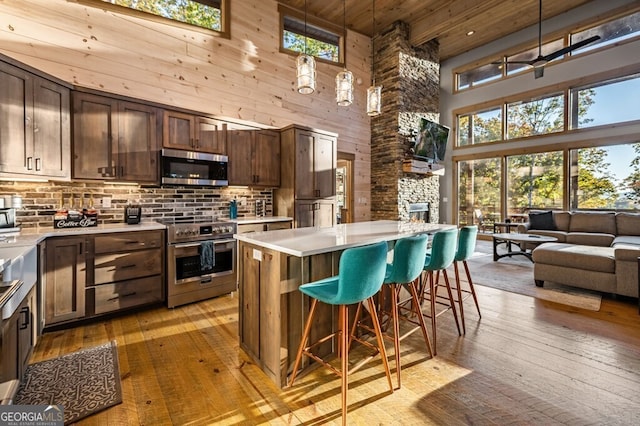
<point>254,157</point>
<point>35,134</point>
<point>312,156</point>
<point>308,187</point>
<point>194,133</point>
<point>115,139</point>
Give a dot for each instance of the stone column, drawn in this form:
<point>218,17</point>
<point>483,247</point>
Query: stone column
<point>410,80</point>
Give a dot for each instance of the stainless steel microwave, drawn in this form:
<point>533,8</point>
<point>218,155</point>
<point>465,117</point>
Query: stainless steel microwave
<point>193,168</point>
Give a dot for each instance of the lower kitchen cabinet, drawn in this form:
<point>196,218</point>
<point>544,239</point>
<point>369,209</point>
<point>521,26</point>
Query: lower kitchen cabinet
<point>65,279</point>
<point>18,339</point>
<point>105,273</point>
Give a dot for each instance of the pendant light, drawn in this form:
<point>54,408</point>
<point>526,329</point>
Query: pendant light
<point>344,79</point>
<point>374,93</point>
<point>306,65</point>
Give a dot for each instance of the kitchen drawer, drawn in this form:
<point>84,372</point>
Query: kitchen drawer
<point>127,294</point>
<point>272,226</point>
<point>250,227</point>
<point>125,266</point>
<point>127,241</point>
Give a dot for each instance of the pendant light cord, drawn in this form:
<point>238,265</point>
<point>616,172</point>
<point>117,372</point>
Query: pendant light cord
<point>305,27</point>
<point>373,50</point>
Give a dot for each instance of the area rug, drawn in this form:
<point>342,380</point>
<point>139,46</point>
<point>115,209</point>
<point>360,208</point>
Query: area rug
<point>83,382</point>
<point>515,275</point>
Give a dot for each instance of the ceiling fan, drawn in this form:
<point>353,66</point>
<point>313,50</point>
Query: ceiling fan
<point>542,60</point>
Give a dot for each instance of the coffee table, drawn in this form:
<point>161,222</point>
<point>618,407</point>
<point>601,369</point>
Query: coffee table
<point>520,240</point>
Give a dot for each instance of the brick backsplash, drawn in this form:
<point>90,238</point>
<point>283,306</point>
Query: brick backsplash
<point>41,200</point>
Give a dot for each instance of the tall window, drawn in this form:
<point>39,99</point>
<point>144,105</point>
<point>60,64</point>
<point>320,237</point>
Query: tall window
<point>535,181</point>
<point>535,117</point>
<point>606,177</point>
<point>606,102</point>
<point>207,14</point>
<point>480,127</point>
<point>479,183</point>
<point>325,41</point>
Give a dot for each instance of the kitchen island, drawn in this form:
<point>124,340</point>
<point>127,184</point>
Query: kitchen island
<point>273,264</point>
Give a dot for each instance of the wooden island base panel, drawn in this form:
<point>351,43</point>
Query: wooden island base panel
<point>272,266</point>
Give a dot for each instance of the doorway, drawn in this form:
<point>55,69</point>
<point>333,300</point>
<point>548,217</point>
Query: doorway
<point>344,188</point>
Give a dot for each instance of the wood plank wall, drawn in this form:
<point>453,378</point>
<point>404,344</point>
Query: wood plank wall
<point>243,78</point>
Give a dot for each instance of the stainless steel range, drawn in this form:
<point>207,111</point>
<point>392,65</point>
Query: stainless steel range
<point>201,259</point>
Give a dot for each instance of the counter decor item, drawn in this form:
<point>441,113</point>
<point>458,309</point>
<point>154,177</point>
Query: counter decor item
<point>132,214</point>
<point>233,209</point>
<point>75,218</point>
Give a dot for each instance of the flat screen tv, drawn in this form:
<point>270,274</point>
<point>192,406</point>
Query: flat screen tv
<point>431,141</point>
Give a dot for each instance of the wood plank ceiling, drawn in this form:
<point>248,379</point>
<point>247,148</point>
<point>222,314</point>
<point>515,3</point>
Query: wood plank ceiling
<point>446,20</point>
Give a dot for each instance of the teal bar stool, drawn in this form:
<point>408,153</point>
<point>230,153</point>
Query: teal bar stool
<point>408,263</point>
<point>360,276</point>
<point>466,246</point>
<point>443,251</point>
<point>404,271</point>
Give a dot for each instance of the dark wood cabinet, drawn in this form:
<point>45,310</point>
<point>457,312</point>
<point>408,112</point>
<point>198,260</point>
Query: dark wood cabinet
<point>65,279</point>
<point>35,134</point>
<point>254,157</point>
<point>321,213</point>
<point>18,339</point>
<point>94,275</point>
<point>308,183</point>
<point>195,133</point>
<point>115,139</point>
<point>315,164</point>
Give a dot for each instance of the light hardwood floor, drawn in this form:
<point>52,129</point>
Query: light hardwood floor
<point>525,362</point>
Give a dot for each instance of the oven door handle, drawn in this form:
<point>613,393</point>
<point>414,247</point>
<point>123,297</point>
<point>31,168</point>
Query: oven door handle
<point>197,244</point>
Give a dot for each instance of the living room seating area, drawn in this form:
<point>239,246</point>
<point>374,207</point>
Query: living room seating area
<point>595,250</point>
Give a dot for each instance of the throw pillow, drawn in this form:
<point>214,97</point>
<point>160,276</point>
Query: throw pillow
<point>542,221</point>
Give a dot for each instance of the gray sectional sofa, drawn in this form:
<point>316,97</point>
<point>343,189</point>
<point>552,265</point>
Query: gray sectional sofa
<point>597,251</point>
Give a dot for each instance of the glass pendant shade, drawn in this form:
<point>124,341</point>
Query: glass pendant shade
<point>374,98</point>
<point>344,88</point>
<point>306,72</point>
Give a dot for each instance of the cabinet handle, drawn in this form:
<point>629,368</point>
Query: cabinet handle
<point>122,296</point>
<point>128,266</point>
<point>29,163</point>
<point>317,192</point>
<point>191,142</point>
<point>27,317</point>
<point>38,164</point>
<point>197,143</point>
<point>121,171</point>
<point>134,242</point>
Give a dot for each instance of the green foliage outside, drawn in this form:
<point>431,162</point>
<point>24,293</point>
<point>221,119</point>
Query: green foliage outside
<point>536,181</point>
<point>187,11</point>
<point>319,49</point>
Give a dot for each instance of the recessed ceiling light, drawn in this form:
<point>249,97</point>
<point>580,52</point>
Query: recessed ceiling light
<point>471,32</point>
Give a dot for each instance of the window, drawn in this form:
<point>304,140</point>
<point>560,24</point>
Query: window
<point>480,127</point>
<point>209,15</point>
<point>610,32</point>
<point>613,31</point>
<point>606,177</point>
<point>535,181</point>
<point>535,117</point>
<point>605,103</point>
<point>479,183</point>
<point>480,75</point>
<point>528,55</point>
<point>324,40</point>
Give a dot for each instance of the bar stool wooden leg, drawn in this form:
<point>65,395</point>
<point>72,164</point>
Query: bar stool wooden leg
<point>378,331</point>
<point>473,290</point>
<point>459,294</point>
<point>344,350</point>
<point>303,340</point>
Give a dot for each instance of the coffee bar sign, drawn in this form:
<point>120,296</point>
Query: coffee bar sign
<point>74,219</point>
